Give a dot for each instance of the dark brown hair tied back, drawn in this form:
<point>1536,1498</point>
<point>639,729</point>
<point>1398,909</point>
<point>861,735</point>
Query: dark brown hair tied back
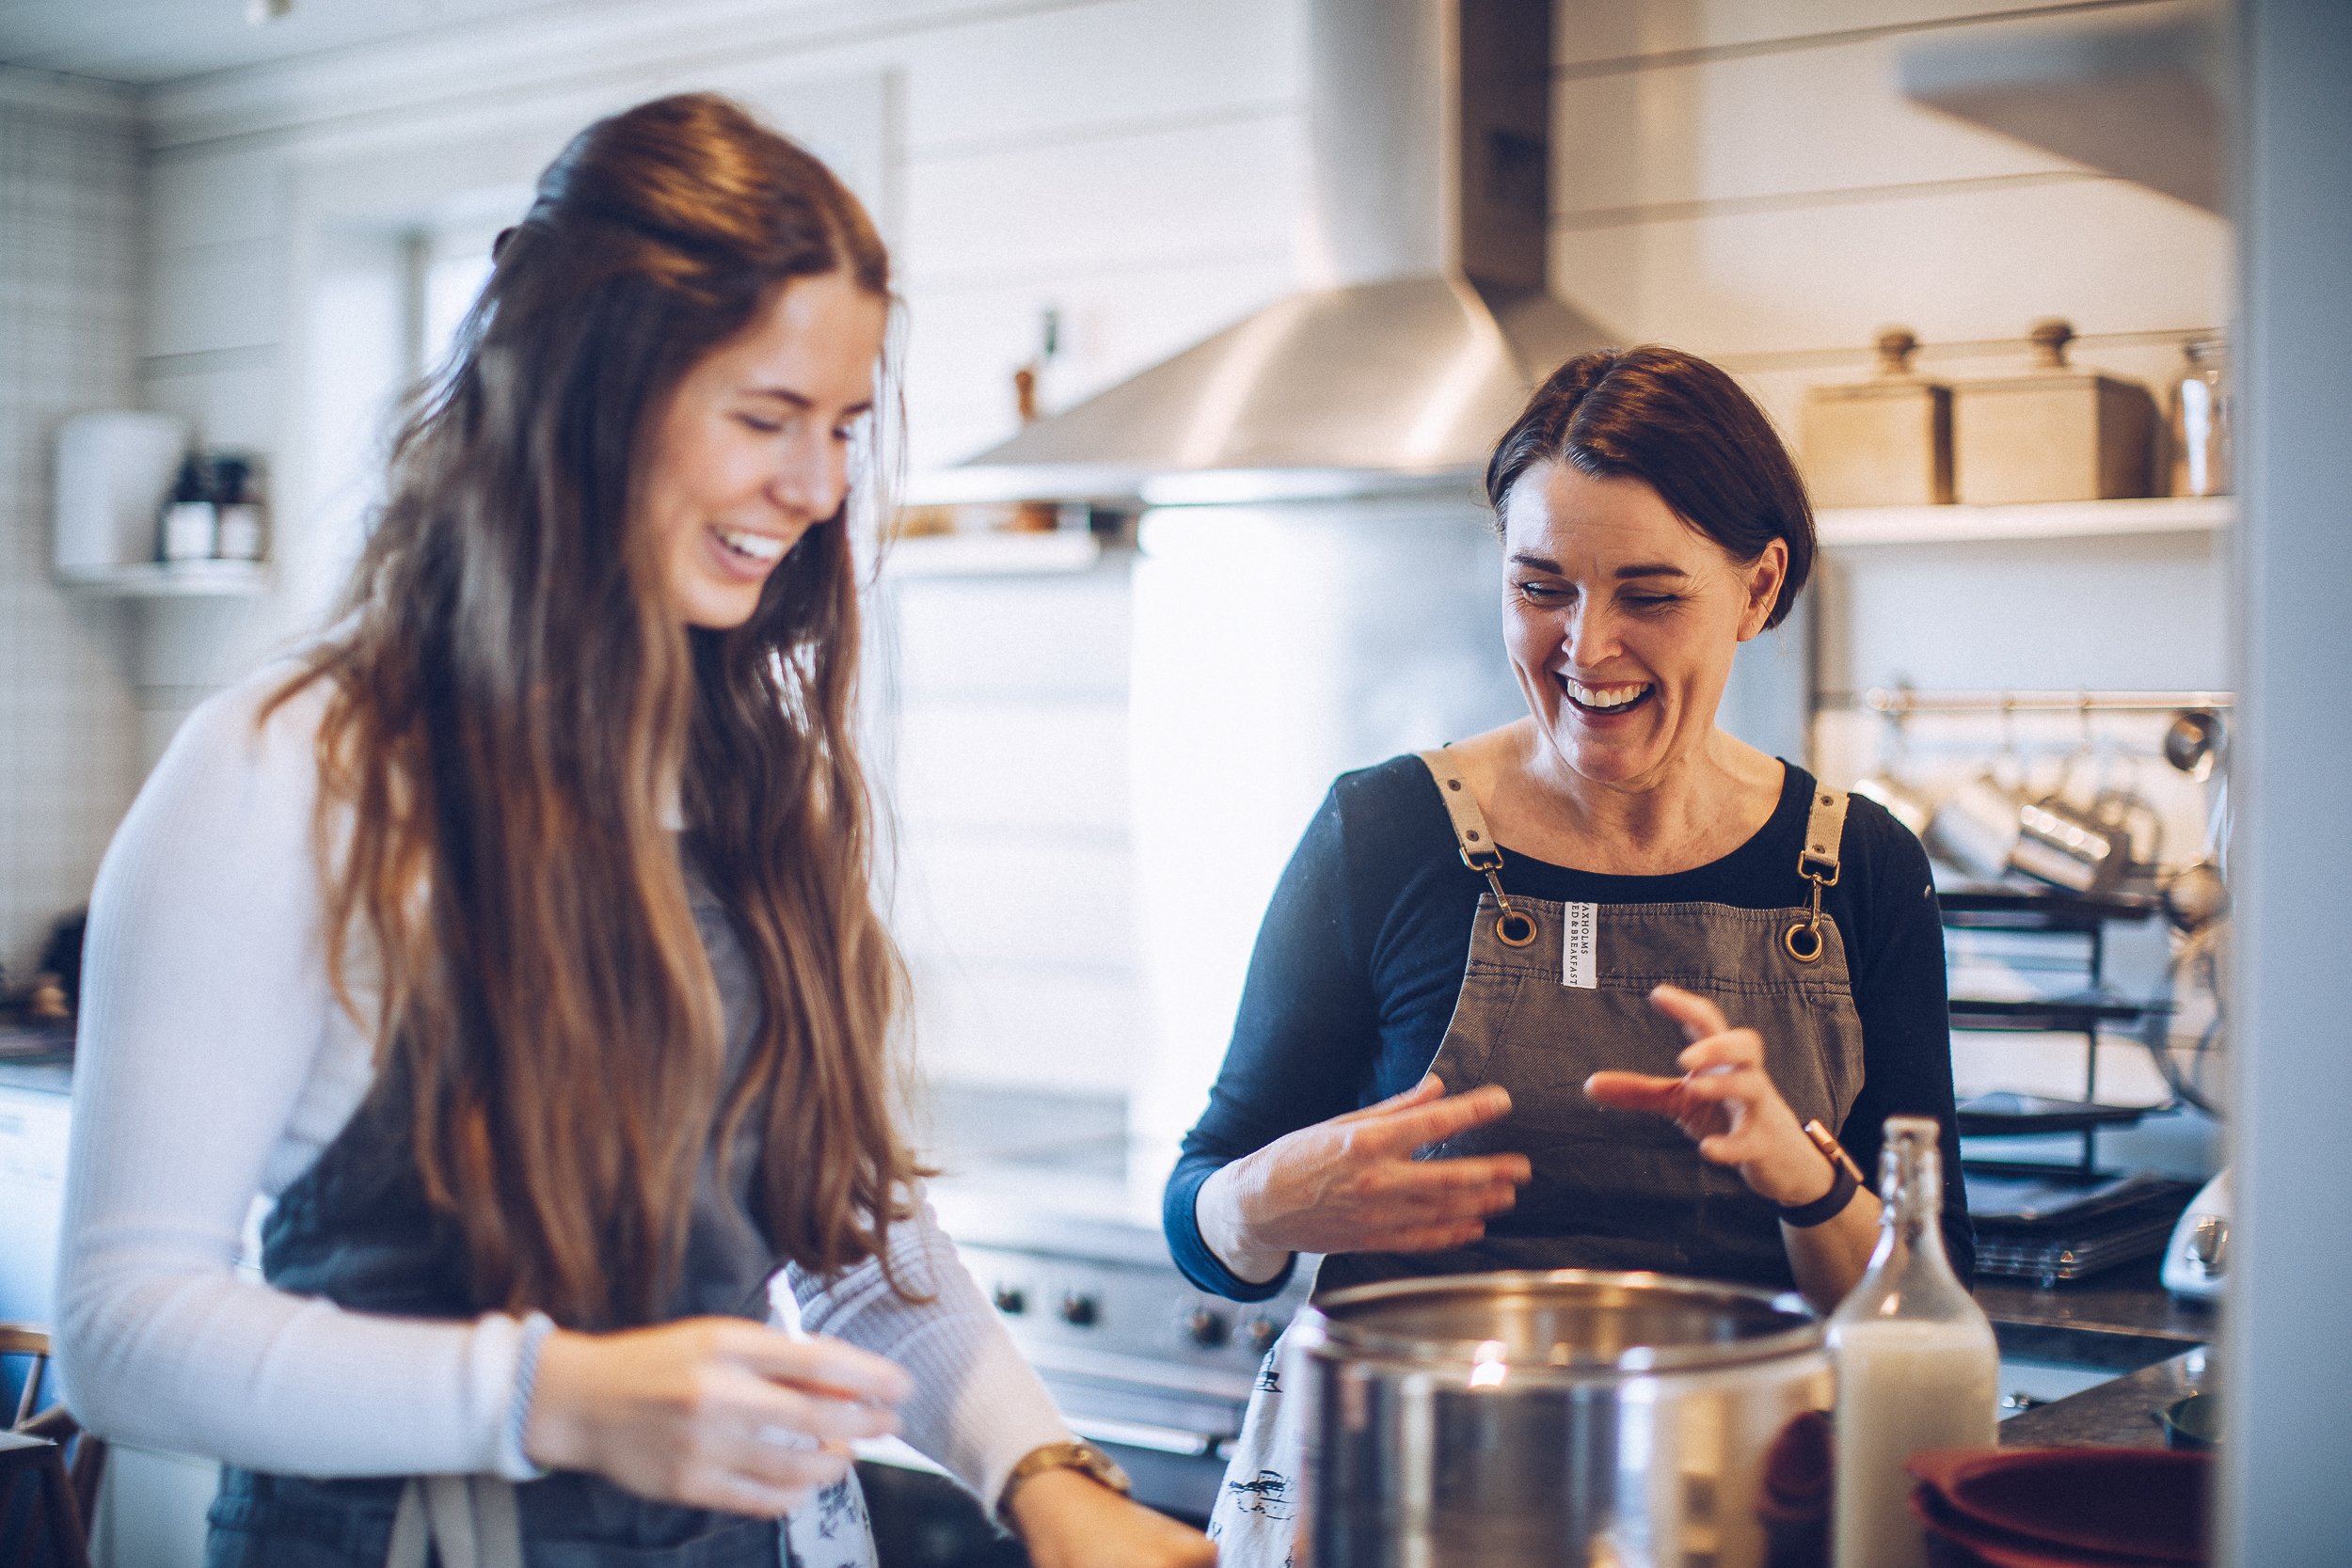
<point>1684,428</point>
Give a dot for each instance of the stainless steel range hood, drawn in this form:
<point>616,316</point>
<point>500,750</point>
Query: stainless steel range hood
<point>1430,124</point>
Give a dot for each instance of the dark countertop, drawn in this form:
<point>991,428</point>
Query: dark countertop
<point>43,1075</point>
<point>2121,1413</point>
<point>2122,1318</point>
<point>36,1056</point>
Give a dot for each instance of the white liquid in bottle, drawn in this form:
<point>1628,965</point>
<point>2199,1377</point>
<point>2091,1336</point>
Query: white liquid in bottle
<point>1918,1367</point>
<point>1903,1388</point>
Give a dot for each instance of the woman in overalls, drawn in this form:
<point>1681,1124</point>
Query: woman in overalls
<point>1559,954</point>
<point>516,940</point>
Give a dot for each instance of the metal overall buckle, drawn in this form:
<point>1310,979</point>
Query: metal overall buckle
<point>1804,938</point>
<point>1514,927</point>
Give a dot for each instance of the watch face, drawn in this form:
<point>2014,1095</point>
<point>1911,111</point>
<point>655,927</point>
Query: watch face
<point>1085,1458</point>
<point>1102,1468</point>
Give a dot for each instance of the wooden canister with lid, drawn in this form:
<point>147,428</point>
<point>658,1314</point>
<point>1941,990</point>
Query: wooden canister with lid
<point>2054,434</point>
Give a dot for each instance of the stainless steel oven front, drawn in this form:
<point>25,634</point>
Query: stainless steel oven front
<point>1140,1360</point>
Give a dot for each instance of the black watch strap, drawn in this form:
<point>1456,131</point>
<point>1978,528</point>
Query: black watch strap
<point>1804,1216</point>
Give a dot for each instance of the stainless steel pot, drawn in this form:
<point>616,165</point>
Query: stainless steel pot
<point>1563,1418</point>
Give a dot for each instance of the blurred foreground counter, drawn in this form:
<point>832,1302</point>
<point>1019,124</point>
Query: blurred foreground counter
<point>2127,1348</point>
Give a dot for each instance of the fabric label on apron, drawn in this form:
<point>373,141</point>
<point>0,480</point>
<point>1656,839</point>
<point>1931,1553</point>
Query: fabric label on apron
<point>1579,944</point>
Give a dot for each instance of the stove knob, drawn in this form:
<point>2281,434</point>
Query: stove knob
<point>1080,1310</point>
<point>1206,1328</point>
<point>1009,1300</point>
<point>1261,1333</point>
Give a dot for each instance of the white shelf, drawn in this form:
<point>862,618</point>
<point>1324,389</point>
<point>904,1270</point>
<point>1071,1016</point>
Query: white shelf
<point>178,579</point>
<point>950,555</point>
<point>1839,527</point>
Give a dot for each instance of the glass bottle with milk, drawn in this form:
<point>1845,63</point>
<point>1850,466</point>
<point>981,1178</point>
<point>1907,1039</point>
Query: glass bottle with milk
<point>1917,1365</point>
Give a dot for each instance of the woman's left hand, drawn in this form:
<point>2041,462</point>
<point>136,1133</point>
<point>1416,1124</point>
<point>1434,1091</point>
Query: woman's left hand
<point>1726,1101</point>
<point>1068,1520</point>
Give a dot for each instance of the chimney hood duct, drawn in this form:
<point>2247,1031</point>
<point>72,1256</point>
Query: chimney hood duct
<point>1430,126</point>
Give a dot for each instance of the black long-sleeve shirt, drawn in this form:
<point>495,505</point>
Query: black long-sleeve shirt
<point>1362,954</point>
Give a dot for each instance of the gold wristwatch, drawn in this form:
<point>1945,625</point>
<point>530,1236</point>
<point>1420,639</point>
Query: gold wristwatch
<point>1085,1458</point>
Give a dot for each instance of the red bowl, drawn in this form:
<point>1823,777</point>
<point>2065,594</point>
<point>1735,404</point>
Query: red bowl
<point>1955,1541</point>
<point>2133,1505</point>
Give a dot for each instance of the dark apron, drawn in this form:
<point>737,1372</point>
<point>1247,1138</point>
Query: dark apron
<point>356,1229</point>
<point>1553,992</point>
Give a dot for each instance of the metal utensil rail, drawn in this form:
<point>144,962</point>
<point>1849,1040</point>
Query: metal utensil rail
<point>1902,701</point>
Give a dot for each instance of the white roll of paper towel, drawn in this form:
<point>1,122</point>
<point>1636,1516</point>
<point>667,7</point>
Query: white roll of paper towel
<point>114,470</point>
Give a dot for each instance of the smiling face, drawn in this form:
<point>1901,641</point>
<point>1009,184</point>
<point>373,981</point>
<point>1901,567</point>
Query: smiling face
<point>751,450</point>
<point>1621,621</point>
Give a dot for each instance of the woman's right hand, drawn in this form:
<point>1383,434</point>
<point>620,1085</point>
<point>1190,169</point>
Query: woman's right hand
<point>715,1413</point>
<point>1351,1184</point>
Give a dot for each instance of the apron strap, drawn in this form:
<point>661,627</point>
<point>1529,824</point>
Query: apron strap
<point>1824,831</point>
<point>1461,809</point>
<point>469,1520</point>
<point>1514,927</point>
<point>1816,863</point>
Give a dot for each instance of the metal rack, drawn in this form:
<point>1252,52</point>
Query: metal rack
<point>2005,909</point>
<point>1900,701</point>
<point>2001,908</point>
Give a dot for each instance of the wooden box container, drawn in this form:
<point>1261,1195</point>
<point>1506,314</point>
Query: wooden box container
<point>2055,433</point>
<point>1882,442</point>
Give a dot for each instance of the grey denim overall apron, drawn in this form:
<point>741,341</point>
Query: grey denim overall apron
<point>356,1229</point>
<point>1552,993</point>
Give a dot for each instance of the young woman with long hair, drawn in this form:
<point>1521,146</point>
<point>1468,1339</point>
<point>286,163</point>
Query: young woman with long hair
<point>517,941</point>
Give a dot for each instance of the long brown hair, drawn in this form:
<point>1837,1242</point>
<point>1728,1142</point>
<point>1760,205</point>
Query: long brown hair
<point>513,709</point>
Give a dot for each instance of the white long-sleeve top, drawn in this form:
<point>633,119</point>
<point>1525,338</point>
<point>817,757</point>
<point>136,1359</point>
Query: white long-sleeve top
<point>214,1065</point>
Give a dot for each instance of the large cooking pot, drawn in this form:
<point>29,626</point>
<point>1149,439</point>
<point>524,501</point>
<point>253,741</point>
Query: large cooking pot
<point>1563,1419</point>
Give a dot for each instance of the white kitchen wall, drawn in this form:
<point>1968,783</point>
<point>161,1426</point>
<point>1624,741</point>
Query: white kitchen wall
<point>1737,176</point>
<point>1131,165</point>
<point>68,311</point>
<point>1015,897</point>
<point>1746,180</point>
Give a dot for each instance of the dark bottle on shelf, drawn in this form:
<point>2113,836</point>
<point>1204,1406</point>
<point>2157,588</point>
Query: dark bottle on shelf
<point>242,534</point>
<point>189,527</point>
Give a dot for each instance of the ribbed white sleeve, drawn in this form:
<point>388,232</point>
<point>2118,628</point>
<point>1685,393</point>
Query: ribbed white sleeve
<point>212,1067</point>
<point>978,1406</point>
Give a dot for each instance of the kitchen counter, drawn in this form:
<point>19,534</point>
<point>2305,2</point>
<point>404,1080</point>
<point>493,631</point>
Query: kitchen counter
<point>2124,1319</point>
<point>42,1077</point>
<point>2126,1305</point>
<point>37,1058</point>
<point>2122,1413</point>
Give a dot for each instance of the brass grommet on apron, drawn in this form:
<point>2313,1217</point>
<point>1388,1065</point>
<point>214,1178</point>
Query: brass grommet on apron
<point>1514,927</point>
<point>1816,863</point>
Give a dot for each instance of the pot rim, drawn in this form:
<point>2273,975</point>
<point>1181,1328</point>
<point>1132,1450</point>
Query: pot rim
<point>1337,1338</point>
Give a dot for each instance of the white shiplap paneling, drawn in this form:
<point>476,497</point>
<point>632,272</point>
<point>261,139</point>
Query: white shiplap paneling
<point>1955,262</point>
<point>1611,33</point>
<point>1821,119</point>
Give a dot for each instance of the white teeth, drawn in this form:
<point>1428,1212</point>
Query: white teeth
<point>758,545</point>
<point>1603,696</point>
